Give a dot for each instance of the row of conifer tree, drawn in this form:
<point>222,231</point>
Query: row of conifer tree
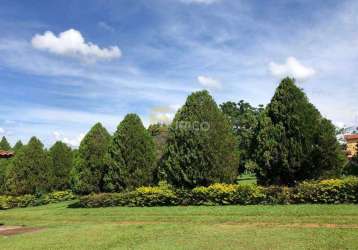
<point>283,143</point>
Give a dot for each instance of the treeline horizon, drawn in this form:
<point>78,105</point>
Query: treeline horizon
<point>284,142</point>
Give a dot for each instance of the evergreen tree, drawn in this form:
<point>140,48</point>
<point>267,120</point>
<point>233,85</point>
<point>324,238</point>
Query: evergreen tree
<point>89,166</point>
<point>30,170</point>
<point>4,145</point>
<point>294,142</point>
<point>201,148</point>
<point>62,162</point>
<point>244,120</point>
<point>17,146</point>
<point>132,154</point>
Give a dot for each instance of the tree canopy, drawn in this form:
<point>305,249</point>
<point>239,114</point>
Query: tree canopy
<point>4,144</point>
<point>244,121</point>
<point>201,148</point>
<point>294,142</point>
<point>89,167</point>
<point>62,162</point>
<point>132,156</point>
<point>30,170</point>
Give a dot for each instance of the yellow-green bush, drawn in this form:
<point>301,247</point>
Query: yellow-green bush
<point>9,201</point>
<point>333,191</point>
<point>325,191</point>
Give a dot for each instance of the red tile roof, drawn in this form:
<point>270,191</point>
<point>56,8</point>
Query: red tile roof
<point>351,137</point>
<point>6,154</point>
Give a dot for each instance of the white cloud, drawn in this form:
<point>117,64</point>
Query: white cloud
<point>73,142</point>
<point>292,68</point>
<point>71,43</point>
<point>200,1</point>
<point>2,131</point>
<point>209,82</point>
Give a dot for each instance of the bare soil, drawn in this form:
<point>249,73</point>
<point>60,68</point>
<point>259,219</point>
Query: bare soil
<point>13,230</point>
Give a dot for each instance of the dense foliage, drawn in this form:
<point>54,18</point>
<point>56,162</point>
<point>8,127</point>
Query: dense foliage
<point>132,156</point>
<point>62,162</point>
<point>29,200</point>
<point>30,170</point>
<point>4,144</point>
<point>285,143</point>
<point>4,164</point>
<point>201,146</point>
<point>89,167</point>
<point>333,191</point>
<point>244,121</point>
<point>294,142</point>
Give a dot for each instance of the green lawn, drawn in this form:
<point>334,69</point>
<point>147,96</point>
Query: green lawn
<point>229,227</point>
<point>246,179</point>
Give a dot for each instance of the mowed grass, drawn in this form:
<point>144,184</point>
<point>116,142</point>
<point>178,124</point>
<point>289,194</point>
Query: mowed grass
<point>226,227</point>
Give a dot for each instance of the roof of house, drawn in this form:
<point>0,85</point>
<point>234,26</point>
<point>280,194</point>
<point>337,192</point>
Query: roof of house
<point>351,137</point>
<point>6,154</point>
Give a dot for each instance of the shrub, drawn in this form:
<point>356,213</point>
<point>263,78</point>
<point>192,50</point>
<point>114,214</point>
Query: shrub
<point>333,191</point>
<point>161,195</point>
<point>325,191</point>
<point>28,200</point>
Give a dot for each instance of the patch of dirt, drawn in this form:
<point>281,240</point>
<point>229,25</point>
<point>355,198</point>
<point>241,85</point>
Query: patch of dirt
<point>13,230</point>
<point>293,225</point>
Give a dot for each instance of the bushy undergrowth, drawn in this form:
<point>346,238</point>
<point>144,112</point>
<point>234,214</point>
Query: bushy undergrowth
<point>325,191</point>
<point>9,201</point>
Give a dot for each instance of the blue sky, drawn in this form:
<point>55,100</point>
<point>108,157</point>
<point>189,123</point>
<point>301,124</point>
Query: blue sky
<point>65,65</point>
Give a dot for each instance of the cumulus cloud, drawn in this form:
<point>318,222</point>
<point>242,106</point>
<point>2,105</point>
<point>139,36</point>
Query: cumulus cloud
<point>2,131</point>
<point>209,82</point>
<point>73,142</point>
<point>200,1</point>
<point>292,68</point>
<point>71,43</point>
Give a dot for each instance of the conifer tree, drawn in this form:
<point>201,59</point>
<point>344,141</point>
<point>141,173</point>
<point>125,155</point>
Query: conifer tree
<point>17,146</point>
<point>4,144</point>
<point>132,156</point>
<point>201,148</point>
<point>87,175</point>
<point>294,141</point>
<point>62,162</point>
<point>30,170</point>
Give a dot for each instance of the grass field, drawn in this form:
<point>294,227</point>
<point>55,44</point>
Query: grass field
<point>229,227</point>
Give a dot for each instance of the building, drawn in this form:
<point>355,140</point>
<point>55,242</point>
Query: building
<point>351,141</point>
<point>6,154</point>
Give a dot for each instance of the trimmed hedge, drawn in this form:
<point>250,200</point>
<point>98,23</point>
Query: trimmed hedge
<point>28,200</point>
<point>325,191</point>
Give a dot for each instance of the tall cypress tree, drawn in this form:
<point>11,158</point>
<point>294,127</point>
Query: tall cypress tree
<point>4,163</point>
<point>89,166</point>
<point>201,148</point>
<point>294,140</point>
<point>62,162</point>
<point>30,170</point>
<point>4,144</point>
<point>17,146</point>
<point>132,154</point>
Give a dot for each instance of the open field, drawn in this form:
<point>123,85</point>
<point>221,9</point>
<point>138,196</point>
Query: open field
<point>229,227</point>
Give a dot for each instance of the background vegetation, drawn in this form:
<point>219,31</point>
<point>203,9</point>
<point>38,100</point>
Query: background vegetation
<point>283,144</point>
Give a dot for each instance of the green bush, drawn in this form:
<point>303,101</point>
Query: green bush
<point>325,191</point>
<point>161,195</point>
<point>333,191</point>
<point>28,200</point>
